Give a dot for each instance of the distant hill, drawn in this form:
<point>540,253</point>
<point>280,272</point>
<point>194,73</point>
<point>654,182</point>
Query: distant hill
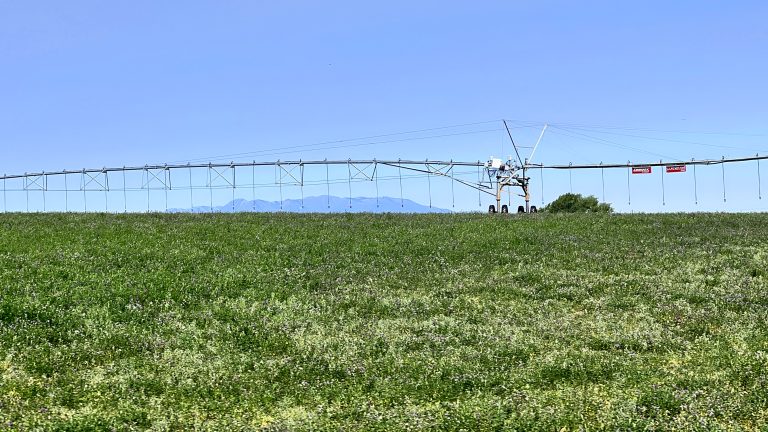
<point>318,204</point>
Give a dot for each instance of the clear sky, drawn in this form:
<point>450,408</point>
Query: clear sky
<point>94,83</point>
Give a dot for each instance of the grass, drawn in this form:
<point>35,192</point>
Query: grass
<point>383,322</point>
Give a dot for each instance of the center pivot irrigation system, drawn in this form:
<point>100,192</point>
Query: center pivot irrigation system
<point>492,178</point>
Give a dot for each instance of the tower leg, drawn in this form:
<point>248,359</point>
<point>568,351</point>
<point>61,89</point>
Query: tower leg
<point>527,199</point>
<point>498,196</point>
<point>525,191</point>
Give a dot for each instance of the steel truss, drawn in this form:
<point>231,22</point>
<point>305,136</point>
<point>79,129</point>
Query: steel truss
<point>492,177</point>
<point>289,173</point>
<point>676,166</point>
<point>691,162</point>
<point>220,167</point>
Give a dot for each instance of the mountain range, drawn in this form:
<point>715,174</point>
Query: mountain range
<point>318,204</point>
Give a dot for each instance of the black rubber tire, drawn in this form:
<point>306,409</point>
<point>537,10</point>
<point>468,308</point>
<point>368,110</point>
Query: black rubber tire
<point>534,209</point>
<point>504,209</point>
<point>491,209</point>
<point>520,209</point>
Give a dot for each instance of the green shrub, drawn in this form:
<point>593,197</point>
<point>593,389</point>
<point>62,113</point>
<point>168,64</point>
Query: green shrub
<point>575,203</point>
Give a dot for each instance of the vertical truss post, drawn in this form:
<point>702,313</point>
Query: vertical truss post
<point>191,197</point>
<point>629,190</point>
<point>280,181</point>
<point>453,196</point>
<point>541,174</point>
<point>327,186</point>
<point>210,189</point>
<point>349,182</point>
<point>253,184</point>
<point>429,182</point>
<point>26,191</point>
<point>106,190</point>
<point>695,187</point>
<point>146,174</point>
<point>5,206</point>
<point>602,178</point>
<point>85,195</point>
<point>527,195</point>
<point>759,183</point>
<point>376,176</point>
<point>570,176</point>
<point>499,190</point>
<point>66,192</point>
<point>234,184</point>
<point>663,192</point>
<point>167,185</point>
<point>400,174</point>
<point>45,182</point>
<point>722,165</point>
<point>301,187</point>
<point>479,179</point>
<point>125,194</point>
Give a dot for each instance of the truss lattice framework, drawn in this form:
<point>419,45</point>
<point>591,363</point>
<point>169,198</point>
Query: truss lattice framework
<point>221,167</point>
<point>359,167</point>
<point>630,164</point>
<point>292,173</point>
<point>219,176</point>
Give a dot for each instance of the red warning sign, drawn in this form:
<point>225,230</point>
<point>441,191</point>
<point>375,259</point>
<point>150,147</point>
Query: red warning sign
<point>675,168</point>
<point>641,170</point>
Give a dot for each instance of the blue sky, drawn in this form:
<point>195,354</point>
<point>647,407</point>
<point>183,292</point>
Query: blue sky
<point>93,83</point>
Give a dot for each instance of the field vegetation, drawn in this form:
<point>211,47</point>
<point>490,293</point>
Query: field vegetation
<point>383,322</point>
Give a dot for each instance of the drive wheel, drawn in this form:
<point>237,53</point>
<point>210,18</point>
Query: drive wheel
<point>534,209</point>
<point>520,209</point>
<point>491,209</point>
<point>504,209</point>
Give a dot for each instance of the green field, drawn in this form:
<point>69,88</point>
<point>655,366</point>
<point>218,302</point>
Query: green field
<point>383,322</point>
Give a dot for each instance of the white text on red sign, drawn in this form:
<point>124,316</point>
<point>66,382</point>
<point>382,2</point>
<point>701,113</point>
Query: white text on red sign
<point>675,168</point>
<point>641,170</point>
